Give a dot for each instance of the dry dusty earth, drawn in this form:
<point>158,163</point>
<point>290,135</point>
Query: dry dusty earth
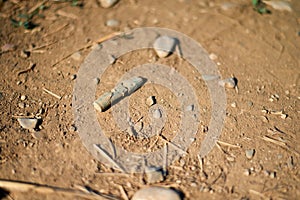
<point>261,50</point>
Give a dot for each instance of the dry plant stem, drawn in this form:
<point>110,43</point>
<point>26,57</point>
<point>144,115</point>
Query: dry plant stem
<point>165,163</point>
<point>123,192</point>
<point>229,145</point>
<point>56,30</point>
<point>112,35</point>
<point>51,93</point>
<point>113,174</point>
<point>26,187</point>
<point>279,143</point>
<point>37,6</point>
<point>34,50</point>
<point>200,163</point>
<point>258,194</point>
<point>31,66</point>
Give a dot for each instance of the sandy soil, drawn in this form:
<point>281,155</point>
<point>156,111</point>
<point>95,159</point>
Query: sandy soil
<point>261,51</point>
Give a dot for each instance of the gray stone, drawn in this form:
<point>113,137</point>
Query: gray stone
<point>164,45</point>
<point>190,108</point>
<point>154,193</point>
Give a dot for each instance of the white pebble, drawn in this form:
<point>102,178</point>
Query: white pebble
<point>213,56</point>
<point>190,108</point>
<point>28,123</point>
<point>164,45</point>
<point>250,153</point>
<point>272,174</point>
<point>23,97</point>
<point>228,83</point>
<point>157,114</point>
<point>233,104</point>
<point>150,100</point>
<point>21,105</point>
<point>76,56</point>
<point>96,80</point>
<point>153,193</point>
<point>112,23</point>
<point>108,3</point>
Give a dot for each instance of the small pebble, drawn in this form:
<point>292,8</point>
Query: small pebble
<point>73,128</point>
<point>111,59</point>
<point>250,103</point>
<point>73,77</point>
<point>96,80</point>
<point>76,56</point>
<point>154,175</point>
<point>24,54</point>
<point>1,96</point>
<point>164,45</point>
<point>154,193</point>
<point>150,101</point>
<point>228,83</point>
<point>28,123</point>
<point>112,23</point>
<point>233,104</point>
<point>273,175</point>
<point>190,108</point>
<point>193,184</point>
<point>283,116</point>
<point>21,105</point>
<point>157,114</point>
<point>266,173</point>
<point>250,153</point>
<point>23,97</point>
<point>247,172</point>
<point>213,56</point>
<point>230,159</point>
<point>108,3</point>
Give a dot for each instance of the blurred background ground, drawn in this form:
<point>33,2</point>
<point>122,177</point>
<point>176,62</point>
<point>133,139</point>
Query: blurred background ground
<point>261,50</point>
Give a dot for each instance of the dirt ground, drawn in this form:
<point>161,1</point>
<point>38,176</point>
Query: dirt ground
<point>261,50</point>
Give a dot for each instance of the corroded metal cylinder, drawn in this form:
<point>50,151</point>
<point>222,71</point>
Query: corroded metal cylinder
<point>122,90</point>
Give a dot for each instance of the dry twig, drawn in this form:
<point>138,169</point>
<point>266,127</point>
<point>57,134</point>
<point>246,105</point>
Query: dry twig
<point>100,40</point>
<point>53,94</point>
<point>227,144</point>
<point>30,67</point>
